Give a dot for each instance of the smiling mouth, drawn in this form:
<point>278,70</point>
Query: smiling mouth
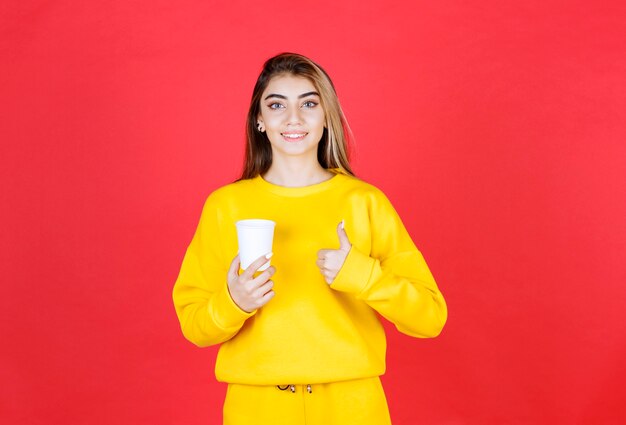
<point>293,137</point>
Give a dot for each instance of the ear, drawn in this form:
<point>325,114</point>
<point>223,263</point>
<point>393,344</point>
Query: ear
<point>260,125</point>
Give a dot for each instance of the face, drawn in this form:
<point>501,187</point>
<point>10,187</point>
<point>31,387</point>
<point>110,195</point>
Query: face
<point>292,116</point>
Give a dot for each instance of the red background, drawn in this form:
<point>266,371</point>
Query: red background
<point>497,130</point>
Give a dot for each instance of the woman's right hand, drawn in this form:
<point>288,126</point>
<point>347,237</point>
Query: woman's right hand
<point>250,292</point>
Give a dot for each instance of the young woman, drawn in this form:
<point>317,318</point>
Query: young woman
<point>301,341</point>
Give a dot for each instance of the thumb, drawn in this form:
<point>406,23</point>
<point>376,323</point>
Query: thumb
<point>344,242</point>
<point>233,271</point>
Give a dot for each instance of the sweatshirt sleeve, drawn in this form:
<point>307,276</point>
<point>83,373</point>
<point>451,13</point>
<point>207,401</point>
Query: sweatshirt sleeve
<point>206,312</point>
<point>394,279</point>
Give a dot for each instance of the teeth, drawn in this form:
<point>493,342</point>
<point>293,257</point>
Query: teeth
<point>294,136</point>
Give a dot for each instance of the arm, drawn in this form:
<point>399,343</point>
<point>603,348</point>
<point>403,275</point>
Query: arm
<point>205,309</point>
<point>395,280</point>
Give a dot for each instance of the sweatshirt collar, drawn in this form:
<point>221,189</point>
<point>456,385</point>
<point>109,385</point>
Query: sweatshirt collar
<point>301,190</point>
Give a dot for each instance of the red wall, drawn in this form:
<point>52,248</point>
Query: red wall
<point>497,130</point>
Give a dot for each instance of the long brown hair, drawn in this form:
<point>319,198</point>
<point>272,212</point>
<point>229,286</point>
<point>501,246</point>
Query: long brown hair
<point>332,151</point>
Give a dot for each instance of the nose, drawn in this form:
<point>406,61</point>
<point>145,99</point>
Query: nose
<point>293,116</point>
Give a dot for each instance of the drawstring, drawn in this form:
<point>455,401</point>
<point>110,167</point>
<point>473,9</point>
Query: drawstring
<point>293,388</point>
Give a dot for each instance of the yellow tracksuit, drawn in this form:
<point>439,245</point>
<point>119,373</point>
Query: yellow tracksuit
<point>311,335</point>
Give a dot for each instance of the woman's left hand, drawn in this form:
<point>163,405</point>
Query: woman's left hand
<point>330,260</point>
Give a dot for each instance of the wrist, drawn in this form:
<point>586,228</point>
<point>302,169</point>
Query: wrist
<point>354,275</point>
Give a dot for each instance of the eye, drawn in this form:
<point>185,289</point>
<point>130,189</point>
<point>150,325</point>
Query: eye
<point>310,104</point>
<point>275,105</point>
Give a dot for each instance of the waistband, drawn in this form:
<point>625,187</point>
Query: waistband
<point>292,388</point>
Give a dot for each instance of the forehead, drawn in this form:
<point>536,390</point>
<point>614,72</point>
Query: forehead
<point>289,85</point>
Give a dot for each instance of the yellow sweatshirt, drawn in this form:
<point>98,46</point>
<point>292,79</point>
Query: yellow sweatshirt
<point>310,332</point>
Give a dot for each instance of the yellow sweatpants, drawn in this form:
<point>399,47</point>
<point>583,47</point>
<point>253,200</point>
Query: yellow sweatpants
<point>360,401</point>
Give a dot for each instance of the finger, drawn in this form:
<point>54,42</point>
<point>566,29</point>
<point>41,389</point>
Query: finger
<point>321,254</point>
<point>252,268</point>
<point>263,277</point>
<point>263,289</point>
<point>320,263</point>
<point>265,298</point>
<point>233,271</point>
<point>344,242</point>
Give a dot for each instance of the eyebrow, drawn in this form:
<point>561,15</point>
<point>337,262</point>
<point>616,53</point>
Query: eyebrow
<point>280,96</point>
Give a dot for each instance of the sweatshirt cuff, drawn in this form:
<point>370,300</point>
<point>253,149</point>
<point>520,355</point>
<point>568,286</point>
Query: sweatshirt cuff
<point>354,275</point>
<point>227,314</point>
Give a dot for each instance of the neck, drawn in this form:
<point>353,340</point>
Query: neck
<point>296,173</point>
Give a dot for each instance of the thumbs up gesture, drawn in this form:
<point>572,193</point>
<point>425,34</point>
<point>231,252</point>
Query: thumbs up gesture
<point>330,260</point>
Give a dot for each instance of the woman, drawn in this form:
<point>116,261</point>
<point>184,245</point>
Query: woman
<point>301,341</point>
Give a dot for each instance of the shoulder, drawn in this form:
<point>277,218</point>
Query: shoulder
<point>231,189</point>
<point>365,195</point>
<point>227,194</point>
<point>365,189</point>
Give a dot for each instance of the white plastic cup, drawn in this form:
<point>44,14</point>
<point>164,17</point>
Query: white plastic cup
<point>255,238</point>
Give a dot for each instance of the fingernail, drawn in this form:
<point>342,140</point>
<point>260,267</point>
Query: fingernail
<point>342,223</point>
<point>268,256</point>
